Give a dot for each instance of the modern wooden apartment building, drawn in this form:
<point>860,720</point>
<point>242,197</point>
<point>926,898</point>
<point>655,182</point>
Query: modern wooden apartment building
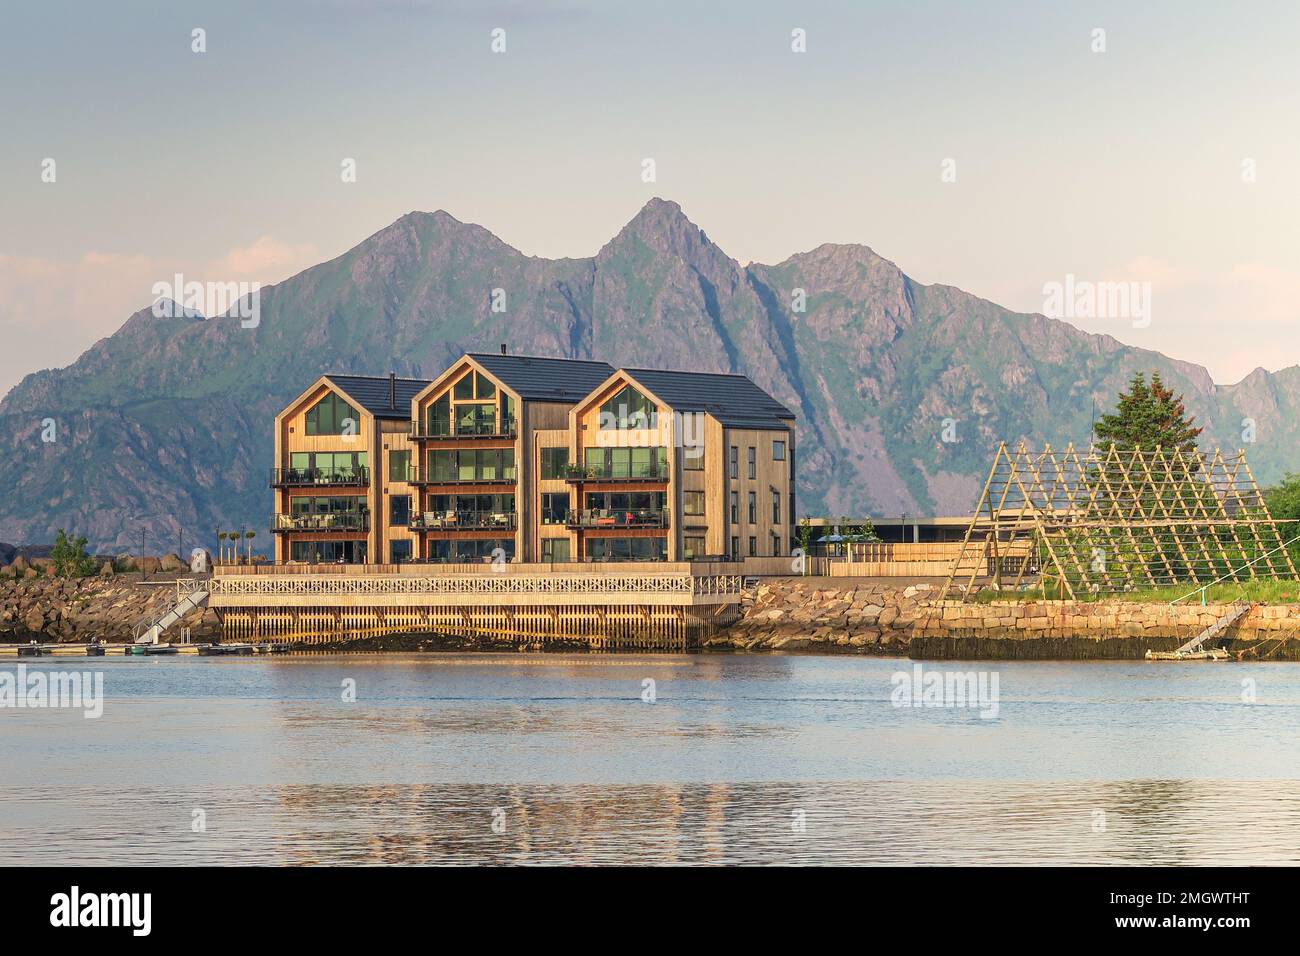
<point>533,459</point>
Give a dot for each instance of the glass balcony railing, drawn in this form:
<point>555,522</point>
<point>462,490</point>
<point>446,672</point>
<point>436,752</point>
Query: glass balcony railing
<point>336,521</point>
<point>465,476</point>
<point>301,477</point>
<point>615,518</point>
<point>618,471</point>
<point>477,427</point>
<point>464,521</point>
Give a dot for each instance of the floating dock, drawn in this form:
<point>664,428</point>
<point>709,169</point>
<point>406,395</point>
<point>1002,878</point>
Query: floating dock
<point>143,650</point>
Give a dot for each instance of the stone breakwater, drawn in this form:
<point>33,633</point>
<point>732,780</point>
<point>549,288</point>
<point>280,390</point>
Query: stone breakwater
<point>802,614</point>
<point>72,610</point>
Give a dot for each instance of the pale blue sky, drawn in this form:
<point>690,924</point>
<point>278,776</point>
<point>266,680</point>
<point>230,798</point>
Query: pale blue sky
<point>1125,164</point>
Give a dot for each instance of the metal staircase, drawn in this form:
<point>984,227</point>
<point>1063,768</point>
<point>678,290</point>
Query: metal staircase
<point>191,594</point>
<point>1195,648</point>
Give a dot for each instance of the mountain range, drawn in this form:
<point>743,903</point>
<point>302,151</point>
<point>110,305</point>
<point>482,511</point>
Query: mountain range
<point>167,423</point>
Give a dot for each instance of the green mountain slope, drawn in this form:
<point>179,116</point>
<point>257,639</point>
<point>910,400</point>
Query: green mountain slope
<point>167,423</point>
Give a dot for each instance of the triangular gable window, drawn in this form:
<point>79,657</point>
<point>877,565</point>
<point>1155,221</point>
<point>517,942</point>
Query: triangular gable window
<point>628,408</point>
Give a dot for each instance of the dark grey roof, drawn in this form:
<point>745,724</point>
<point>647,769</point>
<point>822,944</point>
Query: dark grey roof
<point>372,392</point>
<point>545,379</point>
<point>733,400</point>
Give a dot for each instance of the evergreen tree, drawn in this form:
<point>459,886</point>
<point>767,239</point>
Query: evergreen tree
<point>1148,416</point>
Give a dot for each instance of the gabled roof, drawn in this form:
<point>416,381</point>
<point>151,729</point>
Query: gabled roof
<point>371,391</point>
<point>733,400</point>
<point>544,379</point>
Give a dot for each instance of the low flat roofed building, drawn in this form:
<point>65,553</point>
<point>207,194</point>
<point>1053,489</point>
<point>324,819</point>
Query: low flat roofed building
<point>897,529</point>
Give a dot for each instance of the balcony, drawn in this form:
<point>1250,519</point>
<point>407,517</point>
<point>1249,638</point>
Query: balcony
<point>464,521</point>
<point>323,477</point>
<point>344,521</point>
<point>654,471</point>
<point>485,427</point>
<point>607,519</point>
<point>424,478</point>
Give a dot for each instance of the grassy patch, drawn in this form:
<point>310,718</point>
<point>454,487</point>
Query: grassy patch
<point>1272,592</point>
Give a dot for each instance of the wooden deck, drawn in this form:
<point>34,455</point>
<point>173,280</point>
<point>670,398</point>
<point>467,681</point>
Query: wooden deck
<point>610,606</point>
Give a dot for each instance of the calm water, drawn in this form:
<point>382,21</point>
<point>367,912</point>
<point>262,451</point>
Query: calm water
<point>539,759</point>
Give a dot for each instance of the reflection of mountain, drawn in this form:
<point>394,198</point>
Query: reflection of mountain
<point>169,419</point>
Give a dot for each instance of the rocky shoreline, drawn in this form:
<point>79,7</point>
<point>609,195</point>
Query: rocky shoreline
<point>104,607</point>
<point>796,615</point>
<point>818,616</point>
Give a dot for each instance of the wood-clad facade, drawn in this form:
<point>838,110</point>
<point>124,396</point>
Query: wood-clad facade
<point>519,459</point>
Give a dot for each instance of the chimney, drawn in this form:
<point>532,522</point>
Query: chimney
<point>503,348</point>
<point>392,390</point>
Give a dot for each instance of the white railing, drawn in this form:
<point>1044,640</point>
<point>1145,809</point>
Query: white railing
<point>268,585</point>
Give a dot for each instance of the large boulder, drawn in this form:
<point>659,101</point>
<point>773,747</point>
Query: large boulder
<point>34,620</point>
<point>106,570</point>
<point>170,562</point>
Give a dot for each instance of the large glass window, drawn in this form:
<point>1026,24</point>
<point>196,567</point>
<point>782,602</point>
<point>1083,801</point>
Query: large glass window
<point>399,551</point>
<point>626,462</point>
<point>735,462</point>
<point>473,386</point>
<point>628,408</point>
<point>470,512</point>
<point>476,418</point>
<point>692,459</point>
<point>507,415</point>
<point>326,512</point>
<point>343,552</point>
<point>778,451</point>
<point>328,467</point>
<point>624,509</point>
<point>627,549</point>
<point>776,507</point>
<point>484,464</point>
<point>735,507</point>
<point>330,416</point>
<point>554,462</point>
<point>474,550</point>
<point>440,416</point>
<point>399,510</point>
<point>753,463</point>
<point>753,508</point>
<point>503,504</point>
<point>693,502</point>
<point>692,548</point>
<point>399,465</point>
<point>555,550</point>
<point>555,507</point>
